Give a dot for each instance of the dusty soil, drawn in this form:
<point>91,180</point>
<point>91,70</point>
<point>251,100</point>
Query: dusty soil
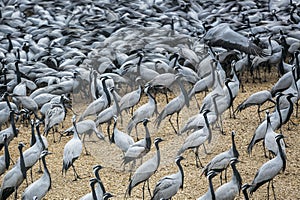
<point>116,180</point>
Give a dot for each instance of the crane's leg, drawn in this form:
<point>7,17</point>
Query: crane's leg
<point>197,103</point>
<point>258,112</point>
<point>265,153</point>
<point>144,190</point>
<point>221,178</point>
<point>108,131</point>
<point>273,188</point>
<point>177,115</point>
<point>268,188</point>
<point>197,157</point>
<point>75,173</point>
<point>172,125</point>
<point>149,188</point>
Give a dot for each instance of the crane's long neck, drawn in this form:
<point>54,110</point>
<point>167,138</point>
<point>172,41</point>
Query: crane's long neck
<point>93,191</point>
<point>33,138</point>
<point>236,176</point>
<point>246,197</point>
<point>100,184</point>
<point>147,138</point>
<point>282,155</point>
<point>157,154</point>
<point>46,171</point>
<point>291,108</point>
<point>184,93</point>
<point>152,101</point>
<point>13,125</point>
<point>22,163</point>
<point>106,92</point>
<point>235,151</point>
<point>6,154</point>
<point>18,72</point>
<point>113,133</point>
<point>40,137</point>
<point>181,173</point>
<point>207,127</point>
<point>139,65</point>
<point>116,104</point>
<point>278,108</point>
<point>211,189</point>
<point>230,93</point>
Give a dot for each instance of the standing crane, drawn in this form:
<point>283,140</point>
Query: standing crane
<point>14,177</point>
<point>210,194</point>
<point>72,151</point>
<point>221,161</point>
<point>40,187</point>
<point>197,138</point>
<point>146,170</point>
<point>174,106</point>
<point>270,169</point>
<point>169,185</point>
<point>230,190</point>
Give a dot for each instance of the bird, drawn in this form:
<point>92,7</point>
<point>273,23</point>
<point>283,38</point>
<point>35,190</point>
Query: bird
<point>14,177</point>
<point>258,98</point>
<point>72,151</point>
<point>210,194</point>
<point>244,190</point>
<point>4,159</point>
<point>11,132</point>
<point>231,189</point>
<point>92,195</point>
<point>139,148</point>
<point>54,116</point>
<point>99,104</point>
<point>174,106</point>
<point>33,153</point>
<point>221,161</point>
<point>129,100</point>
<point>142,112</point>
<point>197,138</point>
<point>121,139</point>
<point>99,188</point>
<point>146,170</point>
<point>107,196</point>
<point>40,187</point>
<point>270,169</point>
<point>222,35</point>
<point>86,127</point>
<point>169,185</point>
<point>269,140</point>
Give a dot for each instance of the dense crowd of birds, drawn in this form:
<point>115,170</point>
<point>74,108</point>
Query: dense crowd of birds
<point>110,54</point>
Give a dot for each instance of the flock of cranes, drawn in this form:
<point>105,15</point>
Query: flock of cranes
<point>134,65</point>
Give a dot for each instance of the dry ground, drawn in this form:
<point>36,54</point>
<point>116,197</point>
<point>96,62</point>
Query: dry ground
<point>116,180</point>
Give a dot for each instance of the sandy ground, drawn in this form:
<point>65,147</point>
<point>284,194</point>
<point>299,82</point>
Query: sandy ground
<point>116,180</point>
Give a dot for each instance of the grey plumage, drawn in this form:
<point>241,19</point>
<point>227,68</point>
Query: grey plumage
<point>231,189</point>
<point>14,177</point>
<point>197,138</point>
<point>169,185</point>
<point>221,161</point>
<point>40,187</point>
<point>72,151</point>
<point>139,148</point>
<point>258,98</point>
<point>210,194</point>
<point>270,169</point>
<point>146,170</point>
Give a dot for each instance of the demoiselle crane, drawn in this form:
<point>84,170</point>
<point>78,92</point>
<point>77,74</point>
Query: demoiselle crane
<point>169,185</point>
<point>145,171</point>
<point>40,187</point>
<point>72,151</point>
